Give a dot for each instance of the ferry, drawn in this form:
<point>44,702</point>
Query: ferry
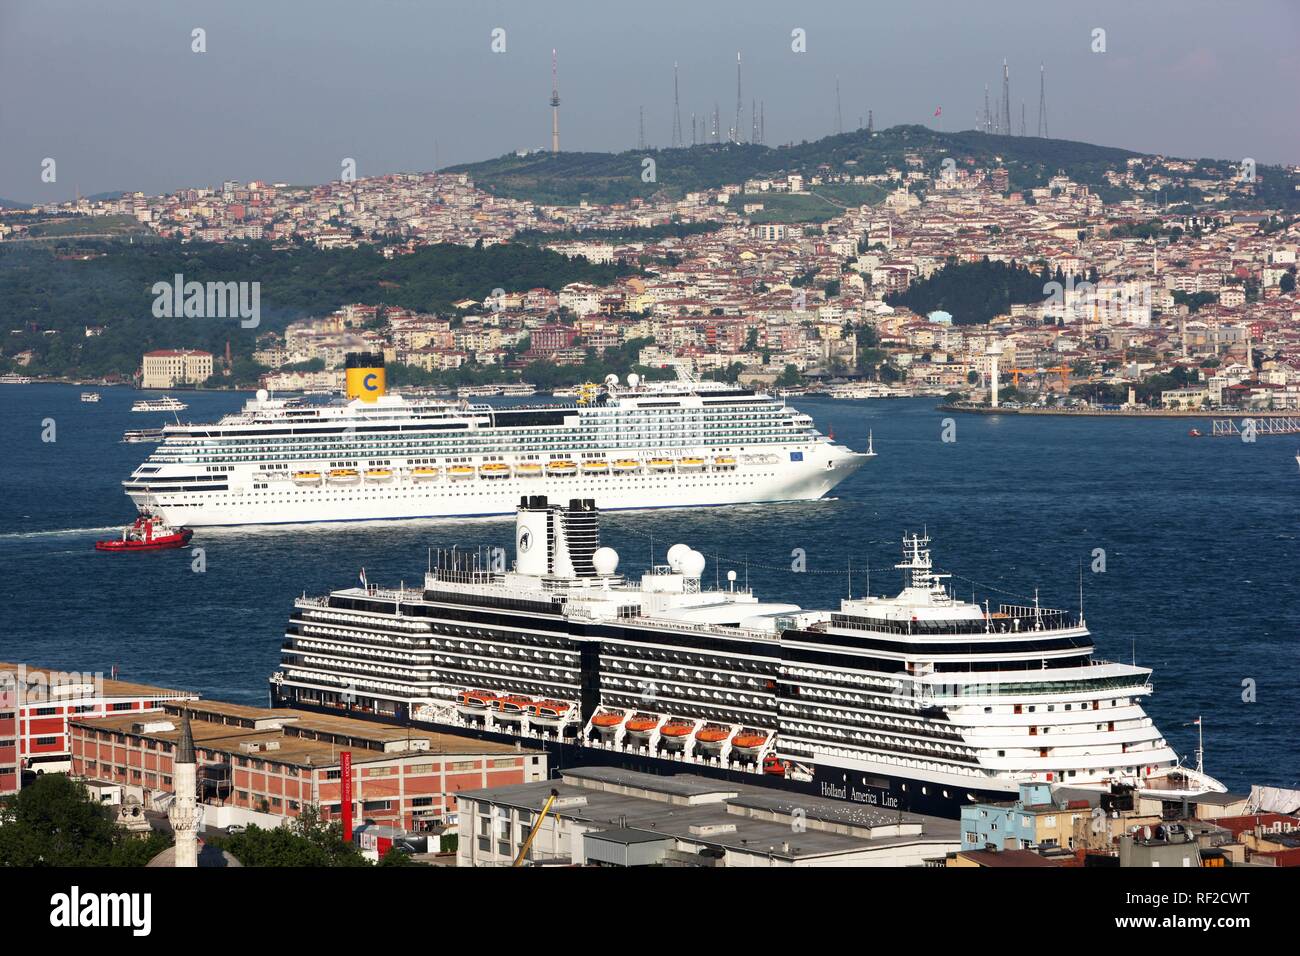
<point>625,445</point>
<point>919,701</point>
<point>90,397</point>
<point>135,436</point>
<point>164,404</point>
<point>9,378</point>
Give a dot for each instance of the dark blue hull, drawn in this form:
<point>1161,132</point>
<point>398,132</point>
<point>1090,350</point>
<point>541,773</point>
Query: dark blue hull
<point>899,793</point>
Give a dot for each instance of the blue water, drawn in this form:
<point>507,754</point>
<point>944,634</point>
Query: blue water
<point>1200,541</point>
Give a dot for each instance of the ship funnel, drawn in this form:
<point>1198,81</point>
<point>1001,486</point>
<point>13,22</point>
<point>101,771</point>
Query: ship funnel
<point>558,540</point>
<point>364,376</point>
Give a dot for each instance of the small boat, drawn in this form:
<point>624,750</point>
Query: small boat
<point>306,477</point>
<point>344,476</point>
<point>164,404</point>
<point>607,719</point>
<point>749,741</point>
<point>379,474</point>
<point>1297,458</point>
<point>627,465</point>
<point>711,737</point>
<point>1194,433</point>
<point>775,765</point>
<point>512,708</point>
<point>675,732</point>
<point>528,469</point>
<point>135,436</point>
<point>425,473</point>
<point>147,533</point>
<point>472,703</point>
<point>548,713</point>
<point>10,378</point>
<point>562,467</point>
<point>724,461</point>
<point>90,396</point>
<point>642,726</point>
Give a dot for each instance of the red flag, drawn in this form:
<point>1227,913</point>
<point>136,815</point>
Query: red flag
<point>938,111</point>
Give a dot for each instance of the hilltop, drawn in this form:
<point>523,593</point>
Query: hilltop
<point>568,178</point>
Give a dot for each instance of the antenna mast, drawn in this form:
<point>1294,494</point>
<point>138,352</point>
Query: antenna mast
<point>677,113</point>
<point>735,138</point>
<point>1042,102</point>
<point>555,103</point>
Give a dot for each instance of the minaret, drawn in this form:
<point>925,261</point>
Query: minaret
<point>184,812</point>
<point>994,352</point>
<point>555,105</point>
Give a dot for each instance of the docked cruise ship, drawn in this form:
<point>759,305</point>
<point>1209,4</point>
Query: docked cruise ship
<point>919,701</point>
<point>378,456</point>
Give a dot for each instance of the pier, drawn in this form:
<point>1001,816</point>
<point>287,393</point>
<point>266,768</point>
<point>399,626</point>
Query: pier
<point>1276,425</point>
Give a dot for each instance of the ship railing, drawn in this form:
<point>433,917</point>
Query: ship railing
<point>673,625</point>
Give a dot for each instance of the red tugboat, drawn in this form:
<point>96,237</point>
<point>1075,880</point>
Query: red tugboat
<point>147,534</point>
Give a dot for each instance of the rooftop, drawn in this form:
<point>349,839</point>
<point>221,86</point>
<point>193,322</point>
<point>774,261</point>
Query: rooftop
<point>628,806</point>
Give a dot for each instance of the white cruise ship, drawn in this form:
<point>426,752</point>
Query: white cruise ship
<point>377,456</point>
<point>919,702</point>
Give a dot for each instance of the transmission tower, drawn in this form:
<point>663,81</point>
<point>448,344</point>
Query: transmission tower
<point>1022,117</point>
<point>839,116</point>
<point>988,117</point>
<point>555,105</point>
<point>677,112</point>
<point>753,121</point>
<point>739,106</point>
<point>1006,99</point>
<point>1042,102</point>
<point>640,136</point>
<point>871,123</point>
<point>693,135</point>
<point>716,133</point>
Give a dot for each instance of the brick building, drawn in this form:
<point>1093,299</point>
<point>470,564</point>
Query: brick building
<point>37,703</point>
<point>277,761</point>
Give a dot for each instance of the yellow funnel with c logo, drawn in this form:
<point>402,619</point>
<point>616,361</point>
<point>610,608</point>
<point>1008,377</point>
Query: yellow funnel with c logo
<point>364,377</point>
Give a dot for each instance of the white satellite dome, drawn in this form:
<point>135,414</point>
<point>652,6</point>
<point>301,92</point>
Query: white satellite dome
<point>611,380</point>
<point>633,380</point>
<point>263,394</point>
<point>731,575</point>
<point>605,560</point>
<point>675,555</point>
<point>693,564</point>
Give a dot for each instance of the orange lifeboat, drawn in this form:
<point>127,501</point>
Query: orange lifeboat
<point>675,732</point>
<point>511,708</point>
<point>607,719</point>
<point>642,726</point>
<point>550,713</point>
<point>711,736</point>
<point>472,703</point>
<point>749,741</point>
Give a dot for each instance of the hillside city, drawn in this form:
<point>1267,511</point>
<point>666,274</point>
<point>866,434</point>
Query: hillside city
<point>1130,302</point>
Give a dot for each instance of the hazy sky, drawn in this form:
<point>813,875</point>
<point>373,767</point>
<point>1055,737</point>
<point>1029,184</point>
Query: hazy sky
<point>288,88</point>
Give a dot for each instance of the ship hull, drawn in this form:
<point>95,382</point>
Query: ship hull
<point>247,501</point>
<point>892,791</point>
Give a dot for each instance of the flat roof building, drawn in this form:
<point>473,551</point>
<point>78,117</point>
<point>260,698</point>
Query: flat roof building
<point>257,765</point>
<point>604,816</point>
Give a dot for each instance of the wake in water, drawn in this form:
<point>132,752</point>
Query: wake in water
<point>11,535</point>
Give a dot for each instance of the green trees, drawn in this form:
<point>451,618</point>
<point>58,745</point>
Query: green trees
<point>974,292</point>
<point>55,822</point>
<point>306,841</point>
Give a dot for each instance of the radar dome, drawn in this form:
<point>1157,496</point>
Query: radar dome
<point>263,394</point>
<point>675,555</point>
<point>605,560</point>
<point>633,380</point>
<point>611,380</point>
<point>693,564</point>
<point>731,575</point>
